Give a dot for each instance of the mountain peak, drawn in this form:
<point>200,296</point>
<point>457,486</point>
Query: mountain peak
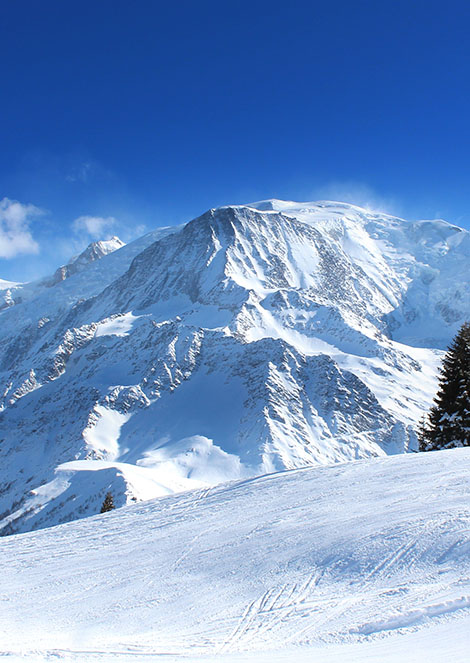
<point>94,251</point>
<point>247,341</point>
<point>277,205</point>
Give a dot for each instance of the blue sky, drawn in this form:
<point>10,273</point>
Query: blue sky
<point>132,115</point>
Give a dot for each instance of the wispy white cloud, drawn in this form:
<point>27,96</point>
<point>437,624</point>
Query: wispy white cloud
<point>138,231</point>
<point>359,194</point>
<point>80,173</point>
<point>15,233</point>
<point>84,171</point>
<point>96,227</point>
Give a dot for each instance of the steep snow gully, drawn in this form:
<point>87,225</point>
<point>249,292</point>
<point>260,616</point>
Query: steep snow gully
<point>253,339</point>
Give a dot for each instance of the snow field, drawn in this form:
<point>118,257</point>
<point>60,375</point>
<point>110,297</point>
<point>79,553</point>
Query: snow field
<point>363,561</point>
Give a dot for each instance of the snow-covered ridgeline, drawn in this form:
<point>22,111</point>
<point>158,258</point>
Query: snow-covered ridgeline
<point>253,339</point>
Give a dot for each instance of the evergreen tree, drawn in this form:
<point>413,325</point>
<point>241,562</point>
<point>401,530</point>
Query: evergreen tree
<point>448,422</point>
<point>108,504</point>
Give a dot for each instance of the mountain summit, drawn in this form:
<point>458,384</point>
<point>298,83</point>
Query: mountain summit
<point>253,339</point>
<point>93,251</point>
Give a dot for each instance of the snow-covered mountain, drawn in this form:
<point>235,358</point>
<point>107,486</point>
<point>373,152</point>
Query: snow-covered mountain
<point>94,251</point>
<point>253,339</point>
<point>94,276</point>
<point>15,293</point>
<point>365,561</point>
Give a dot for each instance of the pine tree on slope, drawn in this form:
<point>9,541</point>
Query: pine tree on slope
<point>108,504</point>
<point>448,422</point>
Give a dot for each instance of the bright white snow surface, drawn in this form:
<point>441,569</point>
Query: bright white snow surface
<point>361,561</point>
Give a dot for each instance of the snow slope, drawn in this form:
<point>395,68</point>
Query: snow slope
<point>362,561</point>
<point>253,339</point>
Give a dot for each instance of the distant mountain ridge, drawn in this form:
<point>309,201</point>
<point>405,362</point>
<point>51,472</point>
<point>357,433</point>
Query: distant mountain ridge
<point>253,339</point>
<point>93,251</point>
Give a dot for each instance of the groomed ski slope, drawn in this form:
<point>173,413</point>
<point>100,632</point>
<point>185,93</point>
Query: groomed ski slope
<point>362,561</point>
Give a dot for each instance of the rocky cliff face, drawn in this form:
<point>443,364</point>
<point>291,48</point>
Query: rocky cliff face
<point>253,339</point>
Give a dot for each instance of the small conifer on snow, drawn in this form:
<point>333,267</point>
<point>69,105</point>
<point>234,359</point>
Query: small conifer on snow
<point>108,504</point>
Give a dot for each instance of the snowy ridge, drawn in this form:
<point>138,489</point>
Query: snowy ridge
<point>253,339</point>
<point>98,265</point>
<point>353,562</point>
<point>94,251</point>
